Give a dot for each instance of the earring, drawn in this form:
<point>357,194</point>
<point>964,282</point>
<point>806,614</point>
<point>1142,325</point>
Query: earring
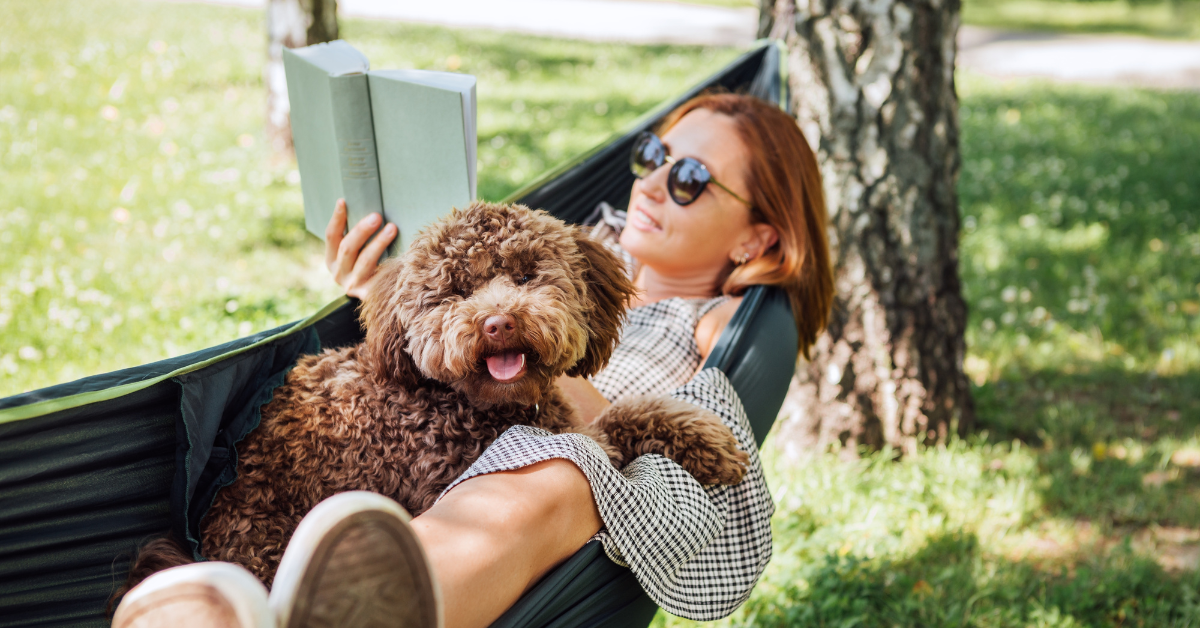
<point>743,259</point>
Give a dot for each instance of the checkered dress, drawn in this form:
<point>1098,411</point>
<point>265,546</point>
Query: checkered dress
<point>696,550</point>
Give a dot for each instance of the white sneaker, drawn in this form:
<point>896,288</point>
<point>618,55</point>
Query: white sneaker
<point>355,562</point>
<point>200,595</point>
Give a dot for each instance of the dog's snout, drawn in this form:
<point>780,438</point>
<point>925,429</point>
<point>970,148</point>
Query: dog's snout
<point>499,327</point>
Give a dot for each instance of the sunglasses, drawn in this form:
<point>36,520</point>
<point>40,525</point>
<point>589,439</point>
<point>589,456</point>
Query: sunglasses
<point>688,177</point>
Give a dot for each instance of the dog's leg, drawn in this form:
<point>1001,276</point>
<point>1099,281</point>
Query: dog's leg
<point>692,437</point>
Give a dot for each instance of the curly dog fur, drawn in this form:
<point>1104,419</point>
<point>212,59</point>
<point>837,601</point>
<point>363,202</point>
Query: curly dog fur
<point>405,412</point>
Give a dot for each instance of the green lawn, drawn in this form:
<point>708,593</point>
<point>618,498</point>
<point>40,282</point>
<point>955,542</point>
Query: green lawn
<point>1152,18</point>
<point>139,220</point>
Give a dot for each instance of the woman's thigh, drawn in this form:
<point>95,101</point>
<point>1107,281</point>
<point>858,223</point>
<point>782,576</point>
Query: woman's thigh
<point>495,535</point>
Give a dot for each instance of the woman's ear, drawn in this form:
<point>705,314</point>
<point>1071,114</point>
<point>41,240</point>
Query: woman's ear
<point>758,239</point>
<point>383,350</point>
<point>766,234</point>
<point>608,291</point>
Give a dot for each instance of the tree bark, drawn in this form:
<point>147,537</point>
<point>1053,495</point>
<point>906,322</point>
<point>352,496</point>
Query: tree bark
<point>872,85</point>
<point>291,24</point>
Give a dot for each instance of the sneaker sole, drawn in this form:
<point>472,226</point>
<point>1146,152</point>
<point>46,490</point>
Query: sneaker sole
<point>201,595</point>
<point>355,562</point>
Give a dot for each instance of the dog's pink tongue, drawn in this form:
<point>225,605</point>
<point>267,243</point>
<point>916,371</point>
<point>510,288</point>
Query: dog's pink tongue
<point>506,366</point>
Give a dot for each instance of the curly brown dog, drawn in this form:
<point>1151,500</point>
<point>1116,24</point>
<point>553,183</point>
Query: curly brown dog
<point>465,336</point>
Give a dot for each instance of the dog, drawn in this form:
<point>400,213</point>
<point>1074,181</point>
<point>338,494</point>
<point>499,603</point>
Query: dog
<point>465,336</point>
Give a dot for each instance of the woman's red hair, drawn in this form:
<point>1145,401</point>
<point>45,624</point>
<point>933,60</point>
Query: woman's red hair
<point>786,193</point>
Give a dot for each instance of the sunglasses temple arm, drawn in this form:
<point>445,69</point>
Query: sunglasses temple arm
<point>731,192</point>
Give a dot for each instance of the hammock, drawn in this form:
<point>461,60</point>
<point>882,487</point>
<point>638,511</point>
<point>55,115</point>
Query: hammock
<point>90,469</point>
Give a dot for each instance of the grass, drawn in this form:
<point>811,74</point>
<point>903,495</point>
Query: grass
<point>138,220</point>
<point>138,217</point>
<point>959,536</point>
<point>1170,18</point>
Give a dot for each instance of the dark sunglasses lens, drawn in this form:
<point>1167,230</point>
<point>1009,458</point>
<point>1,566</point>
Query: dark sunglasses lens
<point>687,180</point>
<point>648,154</point>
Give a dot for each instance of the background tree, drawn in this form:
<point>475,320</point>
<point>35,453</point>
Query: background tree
<point>872,85</point>
<point>291,24</point>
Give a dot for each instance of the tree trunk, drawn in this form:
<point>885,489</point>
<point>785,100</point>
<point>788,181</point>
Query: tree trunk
<point>872,85</point>
<point>291,24</point>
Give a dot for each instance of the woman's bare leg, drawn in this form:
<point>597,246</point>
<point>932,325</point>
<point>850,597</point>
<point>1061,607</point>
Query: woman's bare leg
<point>495,535</point>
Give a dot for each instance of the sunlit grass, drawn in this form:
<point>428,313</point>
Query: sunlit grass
<point>1081,228</point>
<point>139,218</point>
<point>1170,18</point>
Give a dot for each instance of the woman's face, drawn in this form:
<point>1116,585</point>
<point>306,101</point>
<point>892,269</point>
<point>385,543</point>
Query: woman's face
<point>706,234</point>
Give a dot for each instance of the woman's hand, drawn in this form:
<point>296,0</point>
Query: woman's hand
<point>351,264</point>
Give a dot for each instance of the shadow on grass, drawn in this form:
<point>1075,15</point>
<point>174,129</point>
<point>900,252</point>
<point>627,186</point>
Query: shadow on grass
<point>1051,408</point>
<point>951,581</point>
<point>1105,443</point>
<point>1080,228</point>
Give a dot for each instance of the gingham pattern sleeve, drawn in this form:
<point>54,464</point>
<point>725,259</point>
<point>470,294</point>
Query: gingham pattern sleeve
<point>697,551</point>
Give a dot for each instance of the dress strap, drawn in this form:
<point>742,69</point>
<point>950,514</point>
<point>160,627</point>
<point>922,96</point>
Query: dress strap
<point>710,305</point>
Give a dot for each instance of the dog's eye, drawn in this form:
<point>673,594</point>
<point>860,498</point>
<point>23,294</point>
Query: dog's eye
<point>523,279</point>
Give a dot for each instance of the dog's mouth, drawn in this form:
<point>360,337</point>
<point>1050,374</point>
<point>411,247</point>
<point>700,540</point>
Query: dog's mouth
<point>506,366</point>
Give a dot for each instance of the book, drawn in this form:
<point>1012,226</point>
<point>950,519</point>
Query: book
<point>398,142</point>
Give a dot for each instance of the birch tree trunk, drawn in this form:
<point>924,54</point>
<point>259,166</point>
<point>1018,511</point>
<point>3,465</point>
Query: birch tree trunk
<point>872,85</point>
<point>291,24</point>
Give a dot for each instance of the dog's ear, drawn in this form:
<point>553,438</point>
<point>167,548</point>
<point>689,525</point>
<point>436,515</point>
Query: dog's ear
<point>383,349</point>
<point>609,290</point>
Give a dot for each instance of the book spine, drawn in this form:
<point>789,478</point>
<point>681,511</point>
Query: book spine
<point>354,133</point>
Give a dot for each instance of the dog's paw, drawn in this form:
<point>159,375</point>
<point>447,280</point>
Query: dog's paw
<point>713,456</point>
<point>692,437</point>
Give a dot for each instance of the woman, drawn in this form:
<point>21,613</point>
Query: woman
<point>729,197</point>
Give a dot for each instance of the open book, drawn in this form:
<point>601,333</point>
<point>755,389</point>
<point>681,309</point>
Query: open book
<point>399,142</point>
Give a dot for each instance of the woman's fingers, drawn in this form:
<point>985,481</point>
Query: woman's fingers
<point>352,244</point>
<point>363,276</point>
<point>333,233</point>
<point>351,264</point>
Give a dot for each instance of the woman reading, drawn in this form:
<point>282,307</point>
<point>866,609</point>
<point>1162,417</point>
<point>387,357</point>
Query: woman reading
<point>728,195</point>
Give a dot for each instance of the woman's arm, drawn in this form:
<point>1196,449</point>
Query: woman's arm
<point>351,264</point>
<point>584,396</point>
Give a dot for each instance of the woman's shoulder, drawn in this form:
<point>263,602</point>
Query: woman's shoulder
<point>710,326</point>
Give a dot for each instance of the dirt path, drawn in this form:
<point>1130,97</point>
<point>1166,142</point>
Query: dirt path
<point>1108,59</point>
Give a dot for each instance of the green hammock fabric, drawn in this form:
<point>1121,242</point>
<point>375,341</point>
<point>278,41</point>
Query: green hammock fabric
<point>90,469</point>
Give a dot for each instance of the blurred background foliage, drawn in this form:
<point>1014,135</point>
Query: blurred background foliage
<point>139,220</point>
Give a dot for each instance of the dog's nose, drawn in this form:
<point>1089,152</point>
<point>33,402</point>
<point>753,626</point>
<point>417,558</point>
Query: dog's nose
<point>499,327</point>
